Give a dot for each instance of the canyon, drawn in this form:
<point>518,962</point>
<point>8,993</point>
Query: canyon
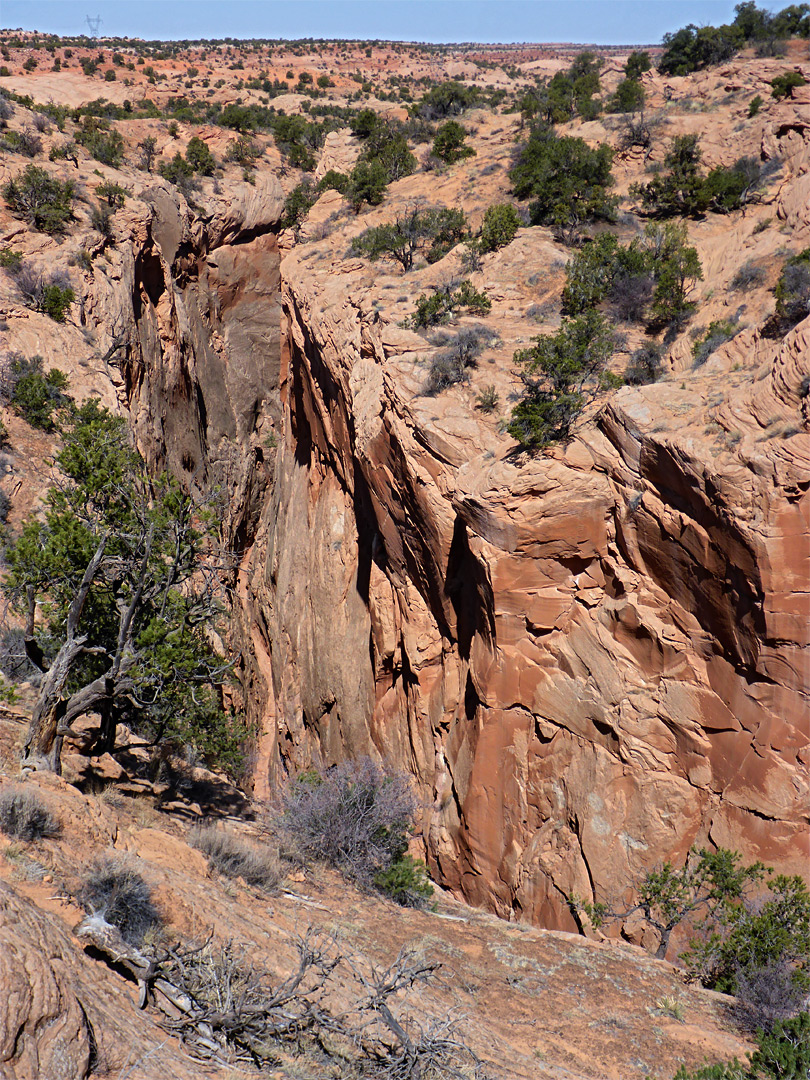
<point>590,659</point>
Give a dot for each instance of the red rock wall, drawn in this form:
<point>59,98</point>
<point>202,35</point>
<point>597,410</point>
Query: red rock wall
<point>591,661</point>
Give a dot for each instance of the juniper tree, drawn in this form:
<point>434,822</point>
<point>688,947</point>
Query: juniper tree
<point>118,583</point>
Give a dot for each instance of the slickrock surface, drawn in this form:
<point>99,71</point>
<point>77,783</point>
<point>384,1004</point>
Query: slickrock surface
<point>530,1003</point>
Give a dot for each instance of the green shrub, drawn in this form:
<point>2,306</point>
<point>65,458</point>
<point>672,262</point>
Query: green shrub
<point>782,85</point>
<point>332,180</point>
<point>745,936</point>
<point>566,178</point>
<point>561,373</point>
<point>717,333</point>
<point>694,47</point>
<point>178,172</point>
<point>200,157</point>
<point>367,183</point>
<point>42,200</point>
<point>449,98</point>
<point>49,293</point>
<point>754,105</point>
<point>113,194</point>
<point>636,64</point>
<point>243,150</point>
<point>499,227</point>
<point>782,1053</point>
<point>629,97</point>
<point>449,143</point>
<point>443,302</point>
<point>56,301</point>
<point>24,816</point>
<point>36,396</point>
<point>567,93</point>
<point>22,142</point>
<point>649,279</point>
<point>104,144</point>
<point>387,145</point>
<point>685,192</point>
<point>406,882</point>
<point>297,205</point>
<point>11,261</point>
<point>432,231</point>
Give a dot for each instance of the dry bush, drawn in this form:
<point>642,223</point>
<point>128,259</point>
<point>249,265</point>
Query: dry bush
<point>355,816</point>
<point>767,995</point>
<point>749,276</point>
<point>237,858</point>
<point>457,353</point>
<point>24,816</point>
<point>630,296</point>
<point>111,889</point>
<point>333,1003</point>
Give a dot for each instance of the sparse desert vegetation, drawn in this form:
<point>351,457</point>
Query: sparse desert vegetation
<point>403,450</point>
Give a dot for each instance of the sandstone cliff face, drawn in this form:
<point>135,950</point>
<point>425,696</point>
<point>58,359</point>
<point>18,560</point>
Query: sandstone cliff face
<point>591,660</point>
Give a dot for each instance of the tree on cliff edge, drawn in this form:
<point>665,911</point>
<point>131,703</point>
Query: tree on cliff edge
<point>118,585</point>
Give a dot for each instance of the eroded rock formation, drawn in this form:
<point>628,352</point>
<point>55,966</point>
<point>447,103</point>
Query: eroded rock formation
<point>591,660</point>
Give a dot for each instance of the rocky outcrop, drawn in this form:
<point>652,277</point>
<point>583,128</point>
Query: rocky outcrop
<point>192,301</point>
<point>591,660</point>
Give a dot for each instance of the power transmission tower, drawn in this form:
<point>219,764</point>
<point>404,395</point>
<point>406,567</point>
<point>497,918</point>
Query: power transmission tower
<point>94,22</point>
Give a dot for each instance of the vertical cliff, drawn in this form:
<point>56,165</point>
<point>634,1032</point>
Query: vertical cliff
<point>591,660</point>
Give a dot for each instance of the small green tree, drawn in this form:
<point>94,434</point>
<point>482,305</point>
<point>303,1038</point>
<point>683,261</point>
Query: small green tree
<point>561,373</point>
<point>105,144</point>
<point>710,882</point>
<point>41,199</point>
<point>449,144</point>
<point>367,183</point>
<point>200,157</point>
<point>694,47</point>
<point>499,227</point>
<point>737,939</point>
<point>37,396</point>
<point>178,172</point>
<point>243,150</point>
<point>680,191</point>
<point>677,269</point>
<point>119,568</point>
<point>449,98</point>
<point>629,97</point>
<point>565,177</point>
<point>113,194</point>
<point>636,64</point>
<point>433,232</point>
<point>297,205</point>
<point>782,86</point>
<point>649,279</point>
<point>148,149</point>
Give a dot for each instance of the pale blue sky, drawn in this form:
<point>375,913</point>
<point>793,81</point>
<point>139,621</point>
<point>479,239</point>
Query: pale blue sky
<point>599,21</point>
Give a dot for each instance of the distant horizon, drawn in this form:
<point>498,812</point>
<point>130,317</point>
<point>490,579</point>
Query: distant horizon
<point>610,23</point>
